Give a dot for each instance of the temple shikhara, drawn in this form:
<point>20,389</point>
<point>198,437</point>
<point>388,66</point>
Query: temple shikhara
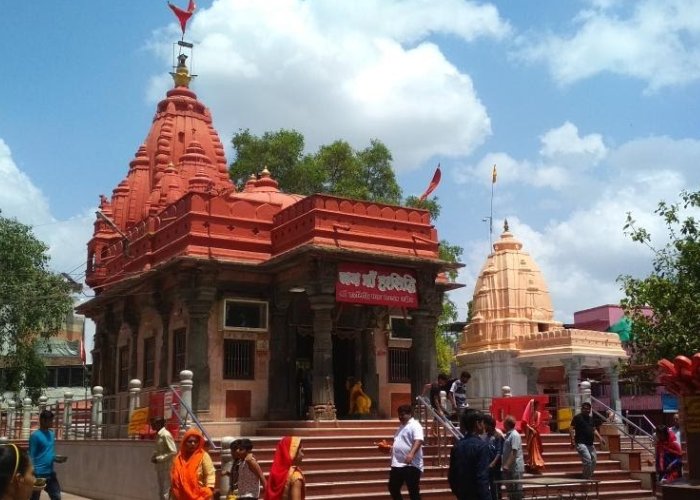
<point>513,340</point>
<point>277,303</point>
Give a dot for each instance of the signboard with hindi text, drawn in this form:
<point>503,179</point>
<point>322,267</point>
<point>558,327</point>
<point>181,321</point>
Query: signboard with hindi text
<point>138,420</point>
<point>376,285</point>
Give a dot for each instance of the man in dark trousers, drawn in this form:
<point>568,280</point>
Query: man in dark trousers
<point>406,456</point>
<point>468,475</point>
<point>583,430</point>
<point>43,454</point>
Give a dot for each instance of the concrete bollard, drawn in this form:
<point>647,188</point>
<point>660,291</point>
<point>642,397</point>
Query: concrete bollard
<point>186,384</point>
<point>26,417</point>
<point>97,395</point>
<point>68,415</point>
<point>226,462</point>
<point>11,416</point>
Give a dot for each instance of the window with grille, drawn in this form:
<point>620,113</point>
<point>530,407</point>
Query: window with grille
<point>399,365</point>
<point>149,361</point>
<point>239,359</point>
<point>123,368</point>
<point>179,351</point>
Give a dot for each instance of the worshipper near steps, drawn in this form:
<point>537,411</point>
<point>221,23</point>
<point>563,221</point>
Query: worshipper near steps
<point>458,393</point>
<point>246,474</point>
<point>406,456</point>
<point>42,451</point>
<point>494,438</point>
<point>17,480</point>
<point>669,456</point>
<point>583,430</point>
<point>468,475</point>
<point>163,453</point>
<point>192,476</point>
<point>286,480</point>
<point>360,403</point>
<point>513,463</point>
<point>530,425</point>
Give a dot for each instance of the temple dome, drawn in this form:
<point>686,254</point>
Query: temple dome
<point>510,299</point>
<point>265,189</point>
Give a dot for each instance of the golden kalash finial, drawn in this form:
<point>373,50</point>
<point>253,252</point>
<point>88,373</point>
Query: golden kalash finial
<point>181,76</point>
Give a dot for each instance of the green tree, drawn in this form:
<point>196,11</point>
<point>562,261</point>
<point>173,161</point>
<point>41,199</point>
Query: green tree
<point>340,170</point>
<point>335,169</point>
<point>671,290</point>
<point>34,303</point>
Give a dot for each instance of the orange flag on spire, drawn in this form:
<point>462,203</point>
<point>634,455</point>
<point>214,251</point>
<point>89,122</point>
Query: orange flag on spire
<point>433,184</point>
<point>183,15</point>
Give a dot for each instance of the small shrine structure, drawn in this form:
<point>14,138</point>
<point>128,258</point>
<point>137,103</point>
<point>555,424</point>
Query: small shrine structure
<point>513,340</point>
<point>273,300</point>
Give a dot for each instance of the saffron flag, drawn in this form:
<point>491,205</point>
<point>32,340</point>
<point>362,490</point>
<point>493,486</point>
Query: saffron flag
<point>183,15</point>
<point>433,184</point>
<point>493,175</point>
<point>83,357</point>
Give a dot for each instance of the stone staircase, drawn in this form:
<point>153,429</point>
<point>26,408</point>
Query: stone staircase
<point>341,461</point>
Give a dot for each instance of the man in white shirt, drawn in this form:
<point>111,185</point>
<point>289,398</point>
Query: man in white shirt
<point>163,454</point>
<point>406,456</point>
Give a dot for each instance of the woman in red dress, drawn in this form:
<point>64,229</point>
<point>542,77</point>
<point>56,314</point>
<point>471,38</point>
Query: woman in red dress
<point>530,424</point>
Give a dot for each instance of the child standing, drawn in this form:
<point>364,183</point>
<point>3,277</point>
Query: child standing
<point>245,470</point>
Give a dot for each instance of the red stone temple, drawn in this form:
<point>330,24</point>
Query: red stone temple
<point>271,299</point>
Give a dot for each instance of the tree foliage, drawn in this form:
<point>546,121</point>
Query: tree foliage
<point>671,290</point>
<point>335,169</point>
<point>34,303</point>
<point>340,170</point>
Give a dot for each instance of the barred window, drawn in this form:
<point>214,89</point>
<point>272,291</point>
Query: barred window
<point>123,368</point>
<point>179,351</point>
<point>239,359</point>
<point>399,365</point>
<point>149,361</point>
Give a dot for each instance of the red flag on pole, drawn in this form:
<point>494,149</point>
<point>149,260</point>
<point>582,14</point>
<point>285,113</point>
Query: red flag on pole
<point>433,184</point>
<point>183,15</point>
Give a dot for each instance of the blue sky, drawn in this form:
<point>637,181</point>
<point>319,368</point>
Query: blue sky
<point>590,109</point>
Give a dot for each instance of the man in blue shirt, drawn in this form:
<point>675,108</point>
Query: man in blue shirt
<point>43,454</point>
<point>468,475</point>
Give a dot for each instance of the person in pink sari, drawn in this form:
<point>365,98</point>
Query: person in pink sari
<point>530,423</point>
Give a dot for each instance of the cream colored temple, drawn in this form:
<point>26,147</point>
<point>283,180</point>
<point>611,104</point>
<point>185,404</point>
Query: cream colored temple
<point>513,339</point>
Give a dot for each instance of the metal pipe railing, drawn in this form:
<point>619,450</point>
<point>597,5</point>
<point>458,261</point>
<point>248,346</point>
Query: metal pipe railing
<point>626,425</point>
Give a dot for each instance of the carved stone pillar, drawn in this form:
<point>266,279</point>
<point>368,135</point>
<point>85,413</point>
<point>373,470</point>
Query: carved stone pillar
<point>423,355</point>
<point>108,334</point>
<point>322,306</point>
<point>198,290</point>
<point>282,380</point>
<point>164,306</point>
<point>131,315</point>
<point>573,373</point>
<point>614,377</point>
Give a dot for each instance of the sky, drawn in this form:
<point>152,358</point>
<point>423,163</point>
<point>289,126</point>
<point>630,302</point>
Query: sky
<point>589,109</point>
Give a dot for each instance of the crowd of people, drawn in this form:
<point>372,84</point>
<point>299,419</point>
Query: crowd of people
<point>189,474</point>
<point>480,462</point>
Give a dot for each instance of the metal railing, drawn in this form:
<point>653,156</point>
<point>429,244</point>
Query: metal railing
<point>189,413</point>
<point>440,427</point>
<point>626,426</point>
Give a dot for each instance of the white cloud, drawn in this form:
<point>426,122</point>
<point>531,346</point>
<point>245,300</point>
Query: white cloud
<point>656,41</point>
<point>564,153</point>
<point>21,199</point>
<point>366,67</point>
<point>565,144</point>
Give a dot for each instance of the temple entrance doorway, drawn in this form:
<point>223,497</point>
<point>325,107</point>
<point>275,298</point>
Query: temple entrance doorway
<point>344,363</point>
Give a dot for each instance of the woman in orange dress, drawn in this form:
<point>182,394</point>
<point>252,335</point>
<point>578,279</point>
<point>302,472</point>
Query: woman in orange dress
<point>192,476</point>
<point>530,424</point>
<point>286,481</point>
